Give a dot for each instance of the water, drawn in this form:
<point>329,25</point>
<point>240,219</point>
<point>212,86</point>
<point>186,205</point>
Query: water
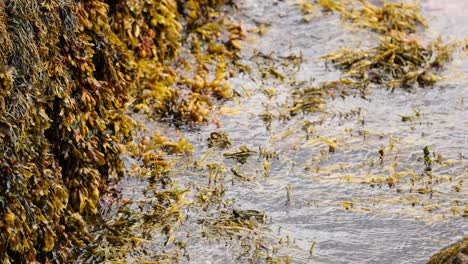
<point>341,200</point>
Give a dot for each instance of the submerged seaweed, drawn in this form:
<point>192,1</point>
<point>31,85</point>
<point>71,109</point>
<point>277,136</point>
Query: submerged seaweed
<point>388,17</point>
<point>397,61</point>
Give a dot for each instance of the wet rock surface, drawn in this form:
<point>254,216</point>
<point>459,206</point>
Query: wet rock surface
<point>454,254</point>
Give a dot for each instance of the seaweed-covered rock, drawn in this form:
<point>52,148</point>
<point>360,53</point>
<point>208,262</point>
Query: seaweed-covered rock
<point>57,144</point>
<point>453,254</point>
<point>67,72</point>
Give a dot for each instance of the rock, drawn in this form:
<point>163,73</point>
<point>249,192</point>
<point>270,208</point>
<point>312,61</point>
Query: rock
<point>453,254</point>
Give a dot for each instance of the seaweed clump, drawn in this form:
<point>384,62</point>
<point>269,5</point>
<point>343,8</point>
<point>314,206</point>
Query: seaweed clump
<point>397,61</point>
<point>57,142</point>
<point>391,16</point>
<point>307,100</point>
<point>68,71</point>
<point>383,19</point>
<point>183,90</point>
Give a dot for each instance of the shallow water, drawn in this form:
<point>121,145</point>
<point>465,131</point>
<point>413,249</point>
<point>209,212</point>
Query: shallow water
<point>335,203</point>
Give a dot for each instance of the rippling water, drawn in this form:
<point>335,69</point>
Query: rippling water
<point>334,201</point>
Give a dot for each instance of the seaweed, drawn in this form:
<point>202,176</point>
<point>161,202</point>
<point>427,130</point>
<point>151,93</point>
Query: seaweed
<point>389,17</point>
<point>398,61</point>
<point>383,19</point>
<point>330,5</point>
<point>58,146</point>
<point>219,139</point>
<point>309,99</point>
<point>241,155</point>
<point>69,70</point>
